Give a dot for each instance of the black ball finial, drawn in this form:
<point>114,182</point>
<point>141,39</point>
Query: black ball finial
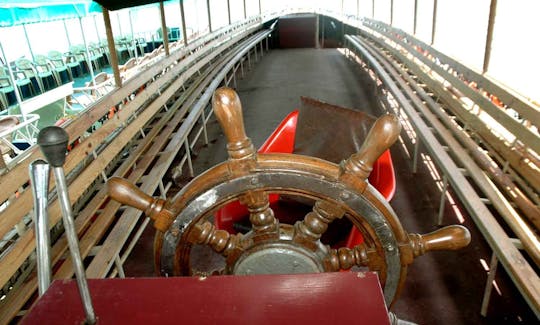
<point>53,141</point>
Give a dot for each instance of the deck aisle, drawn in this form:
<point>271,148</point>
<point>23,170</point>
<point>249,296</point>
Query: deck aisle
<point>442,287</point>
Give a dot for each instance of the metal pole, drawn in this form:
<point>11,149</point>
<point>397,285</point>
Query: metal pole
<point>53,142</point>
<point>373,9</point>
<point>229,10</point>
<point>245,10</point>
<point>209,16</point>
<point>342,21</point>
<point>73,242</point>
<point>28,41</point>
<point>133,41</point>
<point>434,23</point>
<point>67,33</point>
<point>443,200</point>
<point>119,24</point>
<point>205,131</point>
<point>11,76</point>
<point>112,48</point>
<point>183,18</point>
<point>322,33</point>
<point>164,28</point>
<point>317,44</point>
<point>88,59</point>
<point>39,179</point>
<point>415,16</point>
<point>357,9</point>
<point>391,12</point>
<point>97,29</point>
<point>489,284</point>
<point>188,154</point>
<point>415,156</point>
<point>489,37</point>
<point>260,8</point>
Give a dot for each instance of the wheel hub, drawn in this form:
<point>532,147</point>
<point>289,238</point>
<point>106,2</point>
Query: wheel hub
<point>278,258</point>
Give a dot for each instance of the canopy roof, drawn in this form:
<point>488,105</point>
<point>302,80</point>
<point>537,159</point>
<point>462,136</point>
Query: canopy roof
<point>18,12</point>
<point>120,4</point>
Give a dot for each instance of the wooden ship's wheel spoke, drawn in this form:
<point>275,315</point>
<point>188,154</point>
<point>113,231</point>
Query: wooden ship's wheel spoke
<point>261,215</point>
<point>185,223</point>
<point>309,231</point>
<point>220,240</point>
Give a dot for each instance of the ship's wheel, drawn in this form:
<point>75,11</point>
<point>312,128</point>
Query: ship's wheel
<point>185,223</point>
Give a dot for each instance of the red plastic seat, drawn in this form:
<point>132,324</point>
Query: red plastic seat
<point>282,141</point>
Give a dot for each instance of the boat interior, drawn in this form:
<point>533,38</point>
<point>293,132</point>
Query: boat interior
<point>246,139</point>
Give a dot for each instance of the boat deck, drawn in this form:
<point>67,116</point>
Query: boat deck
<point>441,287</point>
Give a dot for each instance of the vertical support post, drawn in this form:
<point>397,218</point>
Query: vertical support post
<point>260,8</point>
<point>342,21</point>
<point>415,156</point>
<point>133,40</point>
<point>88,58</point>
<point>11,76</point>
<point>209,16</point>
<point>322,33</point>
<point>119,266</point>
<point>443,200</point>
<point>112,48</point>
<point>164,28</point>
<point>28,42</point>
<point>317,44</point>
<point>373,9</point>
<point>205,131</point>
<point>229,10</point>
<point>391,12</point>
<point>67,33</point>
<point>188,155</point>
<point>162,189</point>
<point>434,22</point>
<point>245,10</point>
<point>241,69</point>
<point>97,29</point>
<point>489,284</point>
<point>119,25</point>
<point>357,9</point>
<point>489,36</point>
<point>183,18</point>
<point>415,16</point>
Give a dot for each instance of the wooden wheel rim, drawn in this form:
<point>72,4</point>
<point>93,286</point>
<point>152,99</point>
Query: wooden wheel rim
<point>304,176</point>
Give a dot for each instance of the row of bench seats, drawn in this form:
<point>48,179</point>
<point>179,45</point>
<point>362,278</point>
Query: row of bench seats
<point>55,69</point>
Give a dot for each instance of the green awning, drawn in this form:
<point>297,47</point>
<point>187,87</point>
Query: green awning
<point>14,12</point>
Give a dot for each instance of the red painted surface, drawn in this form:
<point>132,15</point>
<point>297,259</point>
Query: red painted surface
<point>324,298</point>
<point>297,31</point>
